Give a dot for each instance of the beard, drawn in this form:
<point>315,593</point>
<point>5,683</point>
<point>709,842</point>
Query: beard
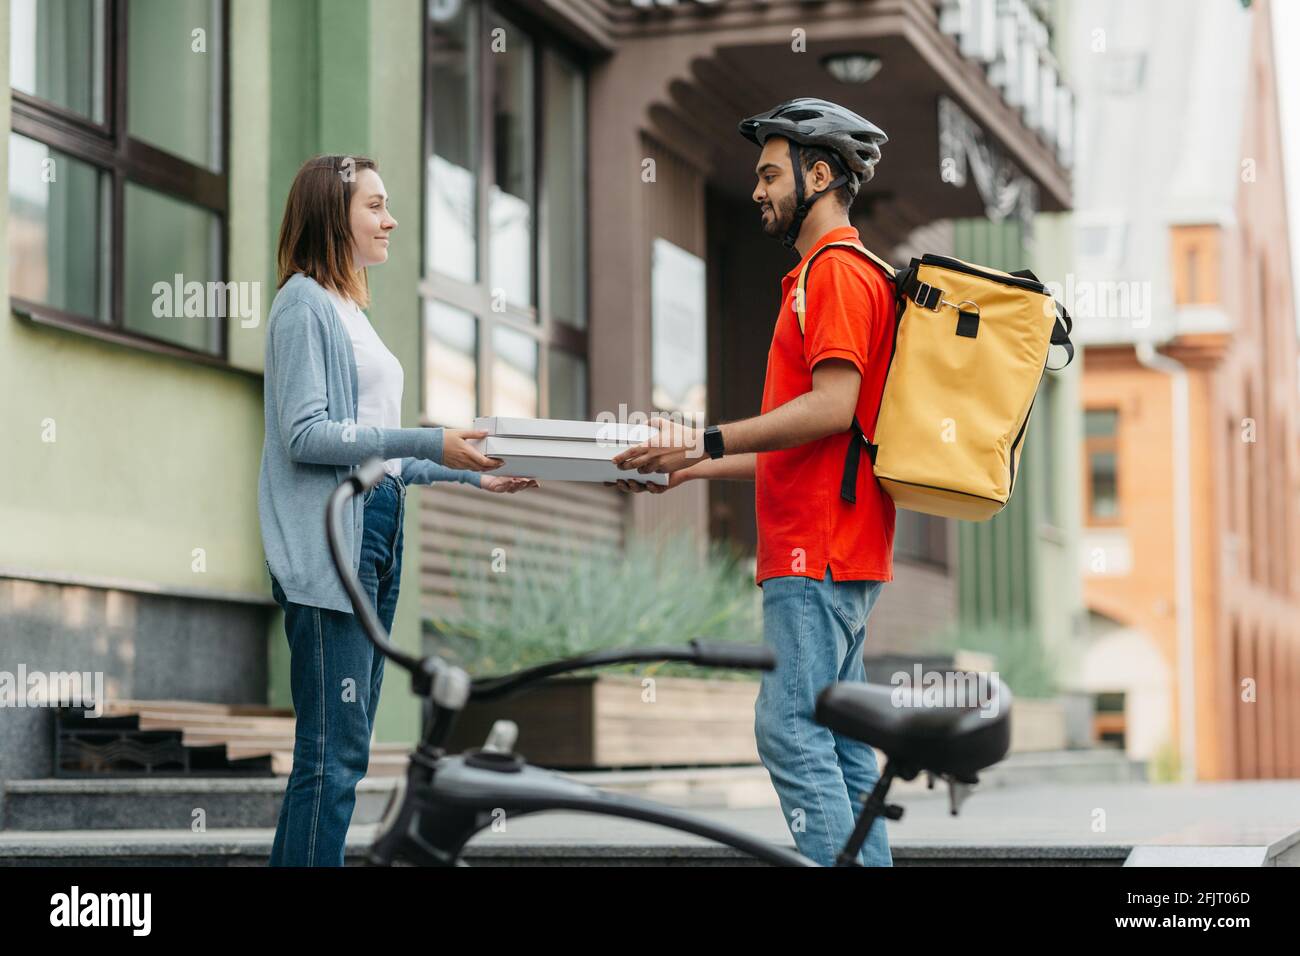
<point>782,216</point>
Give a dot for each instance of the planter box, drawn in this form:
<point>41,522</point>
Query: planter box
<point>603,721</point>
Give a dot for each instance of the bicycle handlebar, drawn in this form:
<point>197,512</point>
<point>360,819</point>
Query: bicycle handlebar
<point>703,653</point>
<point>367,475</point>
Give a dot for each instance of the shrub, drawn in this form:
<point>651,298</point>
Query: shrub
<point>1023,661</point>
<point>658,591</point>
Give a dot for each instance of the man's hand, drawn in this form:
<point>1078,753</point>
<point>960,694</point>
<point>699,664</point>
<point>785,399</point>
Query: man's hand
<point>505,485</point>
<point>675,447</point>
<point>636,487</point>
<point>458,453</point>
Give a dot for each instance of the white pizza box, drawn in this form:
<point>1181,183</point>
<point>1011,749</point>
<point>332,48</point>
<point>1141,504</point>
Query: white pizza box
<point>613,433</point>
<point>558,460</point>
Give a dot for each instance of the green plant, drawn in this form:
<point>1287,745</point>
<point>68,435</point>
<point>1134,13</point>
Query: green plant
<point>539,606</point>
<point>1022,660</point>
<point>1165,765</point>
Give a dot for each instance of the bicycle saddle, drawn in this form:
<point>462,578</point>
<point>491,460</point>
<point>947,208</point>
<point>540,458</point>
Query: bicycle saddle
<point>969,731</point>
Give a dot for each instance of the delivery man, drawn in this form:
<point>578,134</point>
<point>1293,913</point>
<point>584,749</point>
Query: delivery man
<point>821,560</point>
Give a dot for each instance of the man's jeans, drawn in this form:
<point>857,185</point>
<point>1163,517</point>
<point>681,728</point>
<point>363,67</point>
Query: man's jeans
<point>335,674</point>
<point>817,629</point>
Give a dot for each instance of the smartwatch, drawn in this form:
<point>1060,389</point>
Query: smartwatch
<point>713,442</point>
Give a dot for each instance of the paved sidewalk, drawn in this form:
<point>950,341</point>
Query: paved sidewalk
<point>1054,821</point>
<point>1247,823</point>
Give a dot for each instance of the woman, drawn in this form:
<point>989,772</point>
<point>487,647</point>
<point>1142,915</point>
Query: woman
<point>333,395</point>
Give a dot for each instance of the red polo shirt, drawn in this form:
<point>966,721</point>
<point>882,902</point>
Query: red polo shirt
<point>803,523</point>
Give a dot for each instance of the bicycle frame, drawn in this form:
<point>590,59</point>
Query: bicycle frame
<point>447,799</point>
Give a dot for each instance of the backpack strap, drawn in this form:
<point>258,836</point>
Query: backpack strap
<point>1061,334</point>
<point>1062,328</point>
<point>857,439</point>
<point>800,287</point>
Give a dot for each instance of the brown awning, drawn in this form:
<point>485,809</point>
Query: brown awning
<point>697,72</point>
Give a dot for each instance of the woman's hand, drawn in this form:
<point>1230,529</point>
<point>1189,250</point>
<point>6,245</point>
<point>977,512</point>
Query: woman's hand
<point>458,453</point>
<point>507,486</point>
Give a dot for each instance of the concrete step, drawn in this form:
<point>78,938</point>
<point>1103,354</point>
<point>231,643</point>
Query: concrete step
<point>252,847</point>
<point>147,803</point>
<point>164,803</point>
<point>1228,823</point>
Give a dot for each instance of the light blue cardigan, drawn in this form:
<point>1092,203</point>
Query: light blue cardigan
<point>312,444</point>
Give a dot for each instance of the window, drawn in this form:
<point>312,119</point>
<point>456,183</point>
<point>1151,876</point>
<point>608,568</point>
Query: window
<point>505,218</point>
<point>1193,272</point>
<point>451,360</point>
<point>1101,453</point>
<point>117,181</point>
<point>1194,264</point>
<point>1109,725</point>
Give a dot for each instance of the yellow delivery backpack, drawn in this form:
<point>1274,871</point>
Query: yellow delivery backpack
<point>970,348</point>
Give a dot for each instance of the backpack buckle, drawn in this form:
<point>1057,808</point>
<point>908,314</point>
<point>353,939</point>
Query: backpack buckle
<point>927,296</point>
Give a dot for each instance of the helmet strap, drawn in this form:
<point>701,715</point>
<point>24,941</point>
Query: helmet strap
<point>802,205</point>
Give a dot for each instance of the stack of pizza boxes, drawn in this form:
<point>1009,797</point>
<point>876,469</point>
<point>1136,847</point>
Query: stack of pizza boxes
<point>556,450</point>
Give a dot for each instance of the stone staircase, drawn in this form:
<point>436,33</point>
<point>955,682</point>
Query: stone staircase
<point>225,821</point>
<point>184,737</point>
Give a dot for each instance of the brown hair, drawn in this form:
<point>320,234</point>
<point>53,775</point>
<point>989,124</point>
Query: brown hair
<point>316,235</point>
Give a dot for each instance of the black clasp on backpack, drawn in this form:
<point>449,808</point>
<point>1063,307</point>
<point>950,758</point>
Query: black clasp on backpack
<point>849,481</point>
<point>1061,335</point>
<point>968,323</point>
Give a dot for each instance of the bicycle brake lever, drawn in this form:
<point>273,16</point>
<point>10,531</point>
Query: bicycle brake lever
<point>449,685</point>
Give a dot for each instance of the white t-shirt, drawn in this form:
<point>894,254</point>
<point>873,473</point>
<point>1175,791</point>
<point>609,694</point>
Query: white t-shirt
<point>379,374</point>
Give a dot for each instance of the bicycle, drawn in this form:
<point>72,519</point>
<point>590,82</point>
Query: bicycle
<point>448,798</point>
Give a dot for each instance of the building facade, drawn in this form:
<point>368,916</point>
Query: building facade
<point>575,235</point>
<point>1190,395</point>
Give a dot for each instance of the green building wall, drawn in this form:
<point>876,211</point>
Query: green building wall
<point>345,77</point>
<point>1019,570</point>
<point>156,456</point>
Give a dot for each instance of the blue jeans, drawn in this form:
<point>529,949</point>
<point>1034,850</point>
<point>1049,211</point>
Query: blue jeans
<point>817,629</point>
<point>335,674</point>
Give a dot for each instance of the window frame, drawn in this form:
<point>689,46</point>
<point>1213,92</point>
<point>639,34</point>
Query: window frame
<point>1101,443</point>
<point>536,320</point>
<point>111,150</point>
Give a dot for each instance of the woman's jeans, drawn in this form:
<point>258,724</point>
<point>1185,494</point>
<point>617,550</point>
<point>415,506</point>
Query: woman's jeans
<point>817,629</point>
<point>335,674</point>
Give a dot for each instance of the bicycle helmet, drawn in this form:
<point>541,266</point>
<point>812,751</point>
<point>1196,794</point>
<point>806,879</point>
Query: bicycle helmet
<point>810,121</point>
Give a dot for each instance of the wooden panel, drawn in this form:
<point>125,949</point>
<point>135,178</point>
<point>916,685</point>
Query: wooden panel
<point>603,722</point>
<point>545,530</point>
<point>690,721</point>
